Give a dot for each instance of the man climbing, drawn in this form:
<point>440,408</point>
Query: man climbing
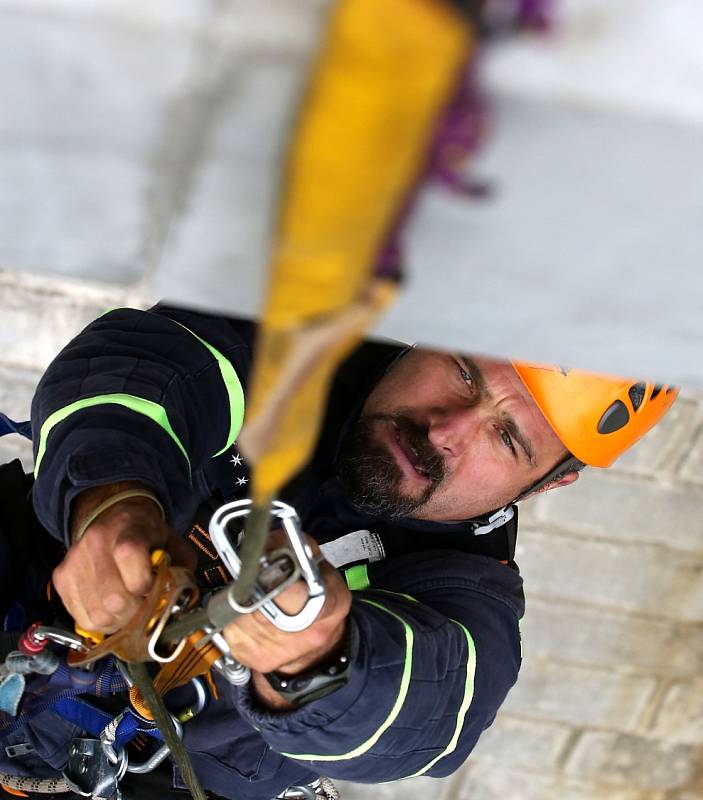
<point>409,495</point>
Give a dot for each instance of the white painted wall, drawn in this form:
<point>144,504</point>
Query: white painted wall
<point>139,147</point>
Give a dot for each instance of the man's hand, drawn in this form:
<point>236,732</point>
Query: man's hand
<point>105,575</point>
<point>261,646</point>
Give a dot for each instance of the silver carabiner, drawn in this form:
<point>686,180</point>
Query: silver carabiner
<point>179,718</point>
<point>107,736</point>
<point>301,553</point>
<point>153,642</point>
<point>153,762</point>
<point>186,714</point>
<point>60,636</point>
<point>227,665</point>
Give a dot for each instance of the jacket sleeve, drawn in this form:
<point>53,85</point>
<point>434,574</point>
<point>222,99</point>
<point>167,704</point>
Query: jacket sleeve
<point>138,395</point>
<point>432,663</point>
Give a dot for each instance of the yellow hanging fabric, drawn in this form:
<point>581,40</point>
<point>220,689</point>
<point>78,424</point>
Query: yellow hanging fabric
<point>384,72</point>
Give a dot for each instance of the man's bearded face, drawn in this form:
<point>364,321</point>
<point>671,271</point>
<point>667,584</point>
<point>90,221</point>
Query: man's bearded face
<point>446,437</point>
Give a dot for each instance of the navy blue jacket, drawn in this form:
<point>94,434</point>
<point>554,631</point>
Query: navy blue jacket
<point>157,397</point>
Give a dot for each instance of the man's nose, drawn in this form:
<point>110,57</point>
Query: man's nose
<point>452,430</point>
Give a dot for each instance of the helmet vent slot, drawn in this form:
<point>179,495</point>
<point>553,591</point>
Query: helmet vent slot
<point>636,393</point>
<point>614,418</point>
<point>655,391</point>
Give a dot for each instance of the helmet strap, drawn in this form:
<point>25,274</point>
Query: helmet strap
<point>570,464</point>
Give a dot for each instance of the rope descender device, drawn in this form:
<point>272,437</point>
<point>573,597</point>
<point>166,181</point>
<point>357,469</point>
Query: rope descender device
<point>173,592</point>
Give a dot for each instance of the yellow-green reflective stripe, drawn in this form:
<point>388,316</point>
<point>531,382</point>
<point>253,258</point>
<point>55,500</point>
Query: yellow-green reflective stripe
<point>357,577</point>
<point>110,310</point>
<point>468,692</point>
<point>149,409</point>
<point>390,719</point>
<point>466,703</point>
<point>398,594</point>
<point>233,387</point>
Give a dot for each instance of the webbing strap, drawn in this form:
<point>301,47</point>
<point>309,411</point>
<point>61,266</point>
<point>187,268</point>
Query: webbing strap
<point>66,682</point>
<point>8,425</point>
<point>82,714</point>
<point>94,721</point>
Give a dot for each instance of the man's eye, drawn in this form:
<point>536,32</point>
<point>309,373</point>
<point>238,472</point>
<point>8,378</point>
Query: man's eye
<point>466,376</point>
<point>507,441</point>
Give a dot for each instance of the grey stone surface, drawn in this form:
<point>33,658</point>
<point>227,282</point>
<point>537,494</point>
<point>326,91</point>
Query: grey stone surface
<point>222,243</point>
<point>525,744</point>
<point>632,761</point>
<point>632,577</point>
<point>626,510</point>
<point>86,230</point>
<point>661,448</point>
<point>544,256</point>
<point>86,82</point>
<point>75,153</point>
<point>12,447</point>
<point>692,469</point>
<point>16,389</point>
<point>157,12</point>
<point>612,639</point>
<point>680,715</point>
<point>579,695</point>
<point>412,789</point>
<point>108,119</point>
<point>484,782</point>
<point>40,317</point>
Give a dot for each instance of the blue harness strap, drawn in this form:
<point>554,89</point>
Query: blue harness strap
<point>82,714</point>
<point>66,683</point>
<point>66,694</point>
<point>93,720</point>
<point>8,425</point>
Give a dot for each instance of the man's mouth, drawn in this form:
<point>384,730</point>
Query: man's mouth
<point>409,459</point>
<point>388,465</point>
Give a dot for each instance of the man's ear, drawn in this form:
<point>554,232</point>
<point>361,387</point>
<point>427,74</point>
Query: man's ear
<point>566,479</point>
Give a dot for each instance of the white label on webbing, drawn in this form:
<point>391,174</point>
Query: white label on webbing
<point>352,547</point>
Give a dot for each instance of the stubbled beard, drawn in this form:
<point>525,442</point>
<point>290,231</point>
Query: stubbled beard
<point>371,476</point>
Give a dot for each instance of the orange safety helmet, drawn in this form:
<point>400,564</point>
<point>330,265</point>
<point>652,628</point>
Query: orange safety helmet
<point>597,417</point>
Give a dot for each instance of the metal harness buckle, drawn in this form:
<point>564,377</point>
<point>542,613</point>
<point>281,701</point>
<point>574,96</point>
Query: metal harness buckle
<point>495,520</point>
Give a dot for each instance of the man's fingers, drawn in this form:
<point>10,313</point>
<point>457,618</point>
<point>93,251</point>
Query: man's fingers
<point>258,644</point>
<point>93,592</point>
<point>133,561</point>
<point>73,600</point>
<point>104,593</point>
<point>102,586</point>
